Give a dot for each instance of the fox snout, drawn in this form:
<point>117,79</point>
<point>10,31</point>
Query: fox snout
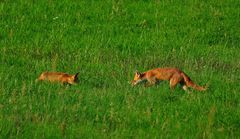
<point>133,83</point>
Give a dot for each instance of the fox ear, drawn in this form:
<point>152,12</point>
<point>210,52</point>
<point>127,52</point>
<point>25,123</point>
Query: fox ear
<point>75,76</point>
<point>137,72</point>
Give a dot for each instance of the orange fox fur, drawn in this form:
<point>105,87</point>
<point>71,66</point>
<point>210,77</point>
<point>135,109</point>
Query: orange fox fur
<point>174,75</point>
<point>59,77</point>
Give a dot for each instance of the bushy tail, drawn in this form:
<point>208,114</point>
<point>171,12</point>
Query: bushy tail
<point>190,83</point>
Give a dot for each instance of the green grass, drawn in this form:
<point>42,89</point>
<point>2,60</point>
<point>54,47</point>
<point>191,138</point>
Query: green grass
<point>106,41</point>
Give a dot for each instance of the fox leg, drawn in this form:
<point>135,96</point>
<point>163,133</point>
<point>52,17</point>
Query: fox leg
<point>150,82</point>
<point>185,87</point>
<point>173,82</point>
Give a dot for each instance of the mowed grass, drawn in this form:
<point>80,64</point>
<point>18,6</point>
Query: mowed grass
<point>106,41</point>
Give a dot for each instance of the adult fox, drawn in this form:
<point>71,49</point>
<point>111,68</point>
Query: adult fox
<point>174,75</point>
<point>59,77</point>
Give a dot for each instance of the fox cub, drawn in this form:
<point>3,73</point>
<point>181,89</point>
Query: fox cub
<point>174,75</point>
<point>61,77</point>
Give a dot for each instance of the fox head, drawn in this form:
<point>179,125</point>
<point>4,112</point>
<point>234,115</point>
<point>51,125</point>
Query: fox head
<point>73,79</point>
<point>137,78</point>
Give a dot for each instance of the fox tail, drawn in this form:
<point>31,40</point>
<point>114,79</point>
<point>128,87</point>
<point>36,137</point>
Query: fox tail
<point>190,83</point>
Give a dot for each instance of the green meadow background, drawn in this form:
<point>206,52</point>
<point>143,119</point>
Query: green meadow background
<point>106,41</point>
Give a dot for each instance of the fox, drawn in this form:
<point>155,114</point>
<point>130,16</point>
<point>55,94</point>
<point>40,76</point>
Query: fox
<point>173,75</point>
<point>60,77</point>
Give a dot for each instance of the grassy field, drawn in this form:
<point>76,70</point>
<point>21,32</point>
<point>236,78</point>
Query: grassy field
<point>106,41</point>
